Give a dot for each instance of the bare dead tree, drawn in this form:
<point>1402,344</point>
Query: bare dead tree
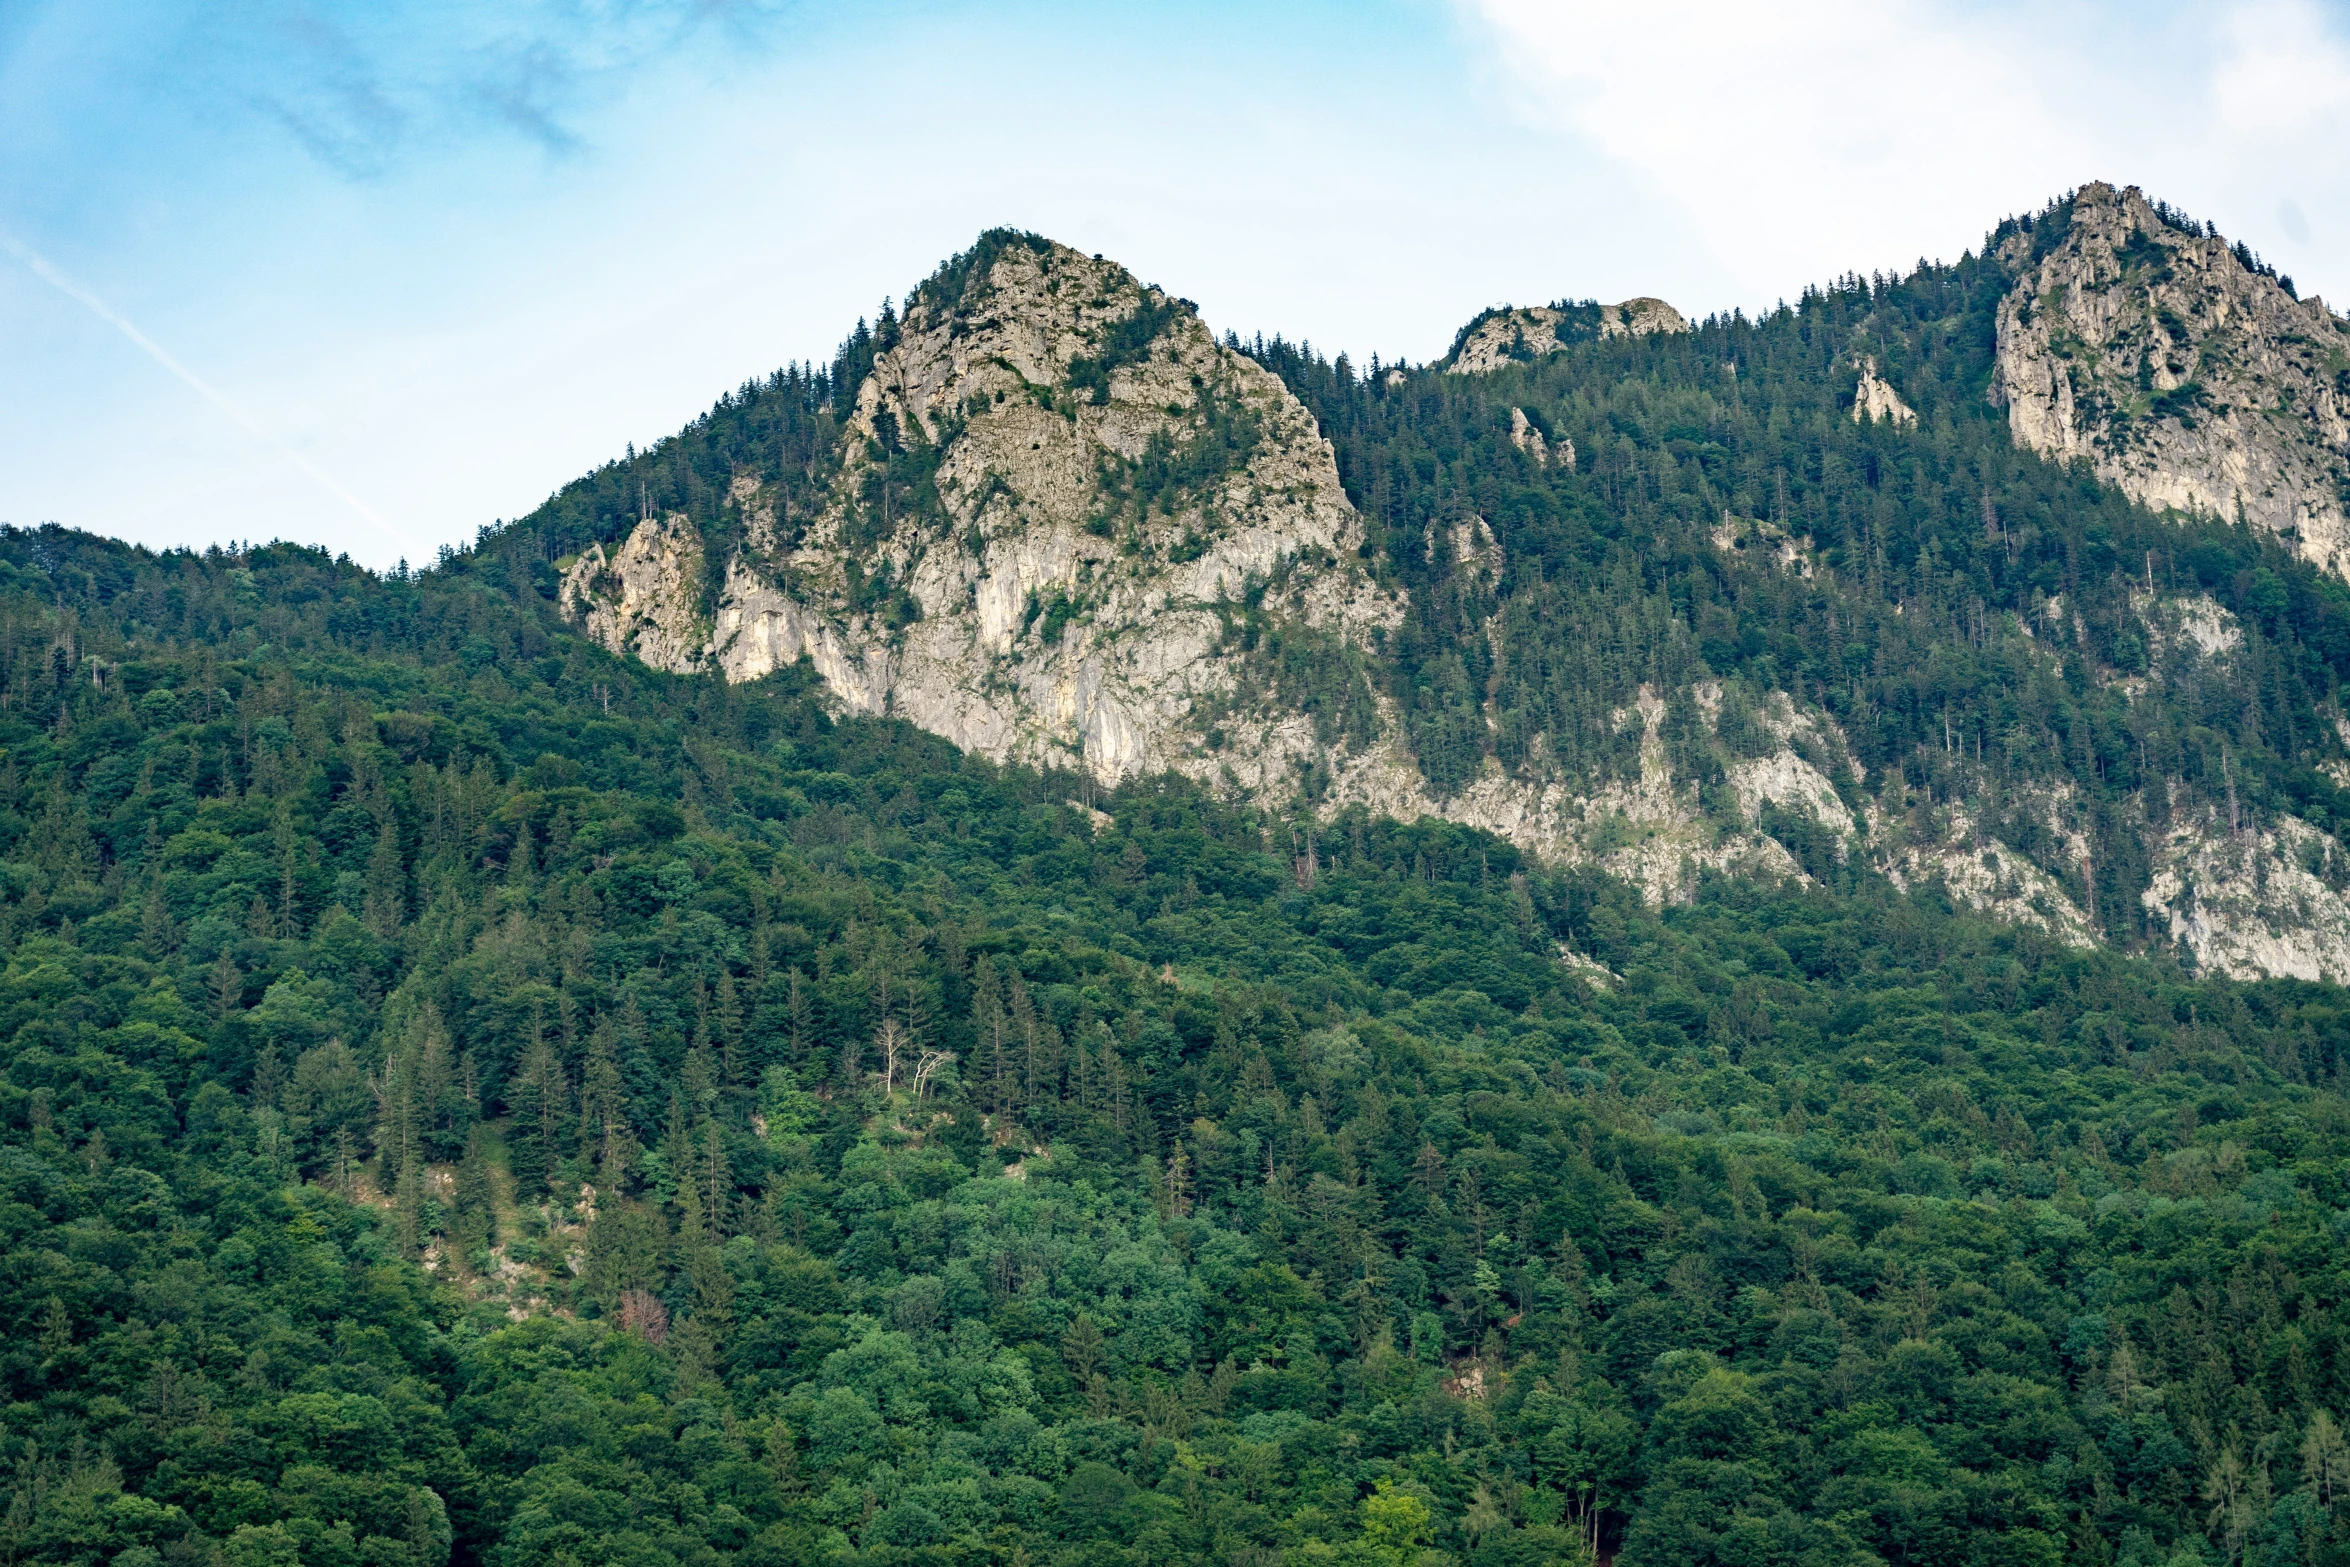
<point>927,1068</point>
<point>891,1039</point>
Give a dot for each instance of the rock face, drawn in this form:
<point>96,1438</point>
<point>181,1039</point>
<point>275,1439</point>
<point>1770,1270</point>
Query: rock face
<point>1981,873</point>
<point>1530,440</point>
<point>1525,333</point>
<point>1654,829</point>
<point>2253,901</point>
<point>1639,317</point>
<point>1061,503</point>
<point>644,595</point>
<point>1874,399</point>
<point>2187,378</point>
<point>1065,522</point>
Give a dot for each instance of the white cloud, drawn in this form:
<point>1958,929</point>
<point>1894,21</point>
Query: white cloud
<point>1807,139</point>
<point>2285,74</point>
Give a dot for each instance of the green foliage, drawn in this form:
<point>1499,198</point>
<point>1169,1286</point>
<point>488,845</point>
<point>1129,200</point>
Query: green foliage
<point>1842,1225</point>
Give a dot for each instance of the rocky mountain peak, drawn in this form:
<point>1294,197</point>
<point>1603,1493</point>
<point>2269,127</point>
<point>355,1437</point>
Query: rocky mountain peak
<point>1522,334</point>
<point>2185,374</point>
<point>1058,500</point>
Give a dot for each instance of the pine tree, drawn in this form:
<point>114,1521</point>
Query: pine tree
<point>399,1154</point>
<point>679,1162</point>
<point>988,1023</point>
<point>554,1110</point>
<point>604,1133</point>
<point>228,984</point>
<point>387,885</point>
<point>716,1179</point>
<point>726,1012</point>
<point>800,1016</point>
<point>436,1088</point>
<point>476,1220</point>
<point>698,1080</point>
<point>1026,1029</point>
<point>534,1101</point>
<point>269,1078</point>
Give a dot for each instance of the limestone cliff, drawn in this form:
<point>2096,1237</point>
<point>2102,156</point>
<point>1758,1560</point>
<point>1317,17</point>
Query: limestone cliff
<point>1065,525</point>
<point>1640,317</point>
<point>1874,398</point>
<point>2254,901</point>
<point>643,595</point>
<point>2186,377</point>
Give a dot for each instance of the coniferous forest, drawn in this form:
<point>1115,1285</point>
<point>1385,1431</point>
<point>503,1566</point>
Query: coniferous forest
<point>469,1099</point>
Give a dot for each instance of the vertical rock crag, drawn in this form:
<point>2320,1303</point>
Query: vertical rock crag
<point>2188,377</point>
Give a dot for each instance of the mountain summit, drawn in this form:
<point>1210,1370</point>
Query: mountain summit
<point>1810,596</point>
<point>2179,368</point>
<point>1066,527</point>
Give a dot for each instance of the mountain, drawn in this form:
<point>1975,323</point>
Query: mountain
<point>486,1081</point>
<point>1596,581</point>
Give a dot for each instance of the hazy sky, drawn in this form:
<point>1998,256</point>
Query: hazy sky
<point>375,274</point>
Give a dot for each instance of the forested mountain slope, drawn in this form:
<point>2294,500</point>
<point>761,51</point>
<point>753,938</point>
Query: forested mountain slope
<point>1797,595</point>
<point>469,1097</point>
<point>1817,533</point>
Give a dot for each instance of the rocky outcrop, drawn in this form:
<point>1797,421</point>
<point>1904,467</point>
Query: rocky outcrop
<point>1640,317</point>
<point>1757,538</point>
<point>1655,829</point>
<point>1003,560</point>
<point>1064,526</point>
<point>1874,399</point>
<point>1991,878</point>
<point>1525,333</point>
<point>1530,440</point>
<point>1513,336</point>
<point>1948,847</point>
<point>2194,620</point>
<point>2183,375</point>
<point>644,595</point>
<point>2254,901</point>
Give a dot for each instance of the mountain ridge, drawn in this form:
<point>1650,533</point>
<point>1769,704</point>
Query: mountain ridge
<point>1027,601</point>
<point>1055,500</point>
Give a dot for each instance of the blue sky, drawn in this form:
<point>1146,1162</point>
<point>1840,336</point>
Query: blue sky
<point>373,275</point>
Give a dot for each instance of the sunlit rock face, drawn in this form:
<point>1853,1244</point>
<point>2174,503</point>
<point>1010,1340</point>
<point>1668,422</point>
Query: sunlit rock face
<point>1058,499</point>
<point>2186,378</point>
<point>1064,526</point>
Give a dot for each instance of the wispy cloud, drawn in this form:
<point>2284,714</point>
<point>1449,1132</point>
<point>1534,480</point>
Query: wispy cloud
<point>360,87</point>
<point>41,268</point>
